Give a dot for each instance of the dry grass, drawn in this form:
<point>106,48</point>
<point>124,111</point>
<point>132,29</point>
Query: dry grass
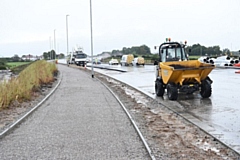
<point>28,81</point>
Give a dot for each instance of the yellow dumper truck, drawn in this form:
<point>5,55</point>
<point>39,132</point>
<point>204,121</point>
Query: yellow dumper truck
<point>176,73</point>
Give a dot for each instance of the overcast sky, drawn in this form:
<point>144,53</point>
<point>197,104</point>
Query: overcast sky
<point>27,25</point>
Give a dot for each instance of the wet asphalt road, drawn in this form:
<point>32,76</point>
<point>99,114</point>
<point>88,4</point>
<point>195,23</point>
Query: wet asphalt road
<point>81,120</point>
<point>218,115</point>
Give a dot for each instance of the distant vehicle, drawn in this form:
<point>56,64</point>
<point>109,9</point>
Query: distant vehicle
<point>78,57</point>
<point>96,61</point>
<point>139,61</point>
<point>71,59</point>
<point>81,59</point>
<point>113,62</point>
<point>127,60</point>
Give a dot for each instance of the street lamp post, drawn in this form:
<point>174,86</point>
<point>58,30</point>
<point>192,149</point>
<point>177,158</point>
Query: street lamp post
<point>50,47</point>
<point>91,36</point>
<point>54,44</point>
<point>67,31</point>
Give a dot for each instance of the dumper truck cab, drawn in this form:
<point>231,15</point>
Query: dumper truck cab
<point>175,73</point>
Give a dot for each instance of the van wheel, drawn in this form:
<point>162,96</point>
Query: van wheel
<point>159,88</point>
<point>206,89</point>
<point>172,91</point>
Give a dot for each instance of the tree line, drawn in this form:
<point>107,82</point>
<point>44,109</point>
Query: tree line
<point>137,50</point>
<point>52,55</point>
<point>199,50</point>
<point>144,51</point>
<point>196,50</point>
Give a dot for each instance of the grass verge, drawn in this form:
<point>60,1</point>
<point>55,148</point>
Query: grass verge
<point>29,81</point>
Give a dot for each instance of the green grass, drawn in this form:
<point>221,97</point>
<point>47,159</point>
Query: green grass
<point>17,67</point>
<point>16,64</point>
<point>194,57</point>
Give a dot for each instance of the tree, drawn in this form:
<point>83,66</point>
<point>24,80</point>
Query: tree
<point>226,51</point>
<point>126,50</point>
<point>115,51</point>
<point>46,55</point>
<point>61,55</point>
<point>136,50</point>
<point>144,50</point>
<point>3,63</point>
<point>199,50</point>
<point>49,55</point>
<point>52,54</point>
<point>15,58</point>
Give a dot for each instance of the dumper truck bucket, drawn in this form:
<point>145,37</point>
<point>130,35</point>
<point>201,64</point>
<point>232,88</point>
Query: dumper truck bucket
<point>181,72</point>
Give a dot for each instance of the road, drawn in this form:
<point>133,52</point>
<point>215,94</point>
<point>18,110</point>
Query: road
<point>219,115</point>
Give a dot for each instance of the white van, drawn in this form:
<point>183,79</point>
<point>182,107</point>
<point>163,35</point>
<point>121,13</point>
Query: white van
<point>139,61</point>
<point>127,60</point>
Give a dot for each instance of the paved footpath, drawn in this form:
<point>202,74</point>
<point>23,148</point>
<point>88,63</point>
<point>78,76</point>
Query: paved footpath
<point>81,120</point>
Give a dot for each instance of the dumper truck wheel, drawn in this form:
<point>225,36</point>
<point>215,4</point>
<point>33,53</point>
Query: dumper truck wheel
<point>172,91</point>
<point>159,88</point>
<point>206,89</point>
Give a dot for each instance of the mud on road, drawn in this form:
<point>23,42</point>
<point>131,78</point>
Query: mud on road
<point>168,135</point>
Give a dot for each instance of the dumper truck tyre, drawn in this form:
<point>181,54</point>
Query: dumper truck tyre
<point>172,91</point>
<point>159,88</point>
<point>206,89</point>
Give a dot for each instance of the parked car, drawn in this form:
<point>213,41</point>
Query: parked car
<point>113,62</point>
<point>96,61</point>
